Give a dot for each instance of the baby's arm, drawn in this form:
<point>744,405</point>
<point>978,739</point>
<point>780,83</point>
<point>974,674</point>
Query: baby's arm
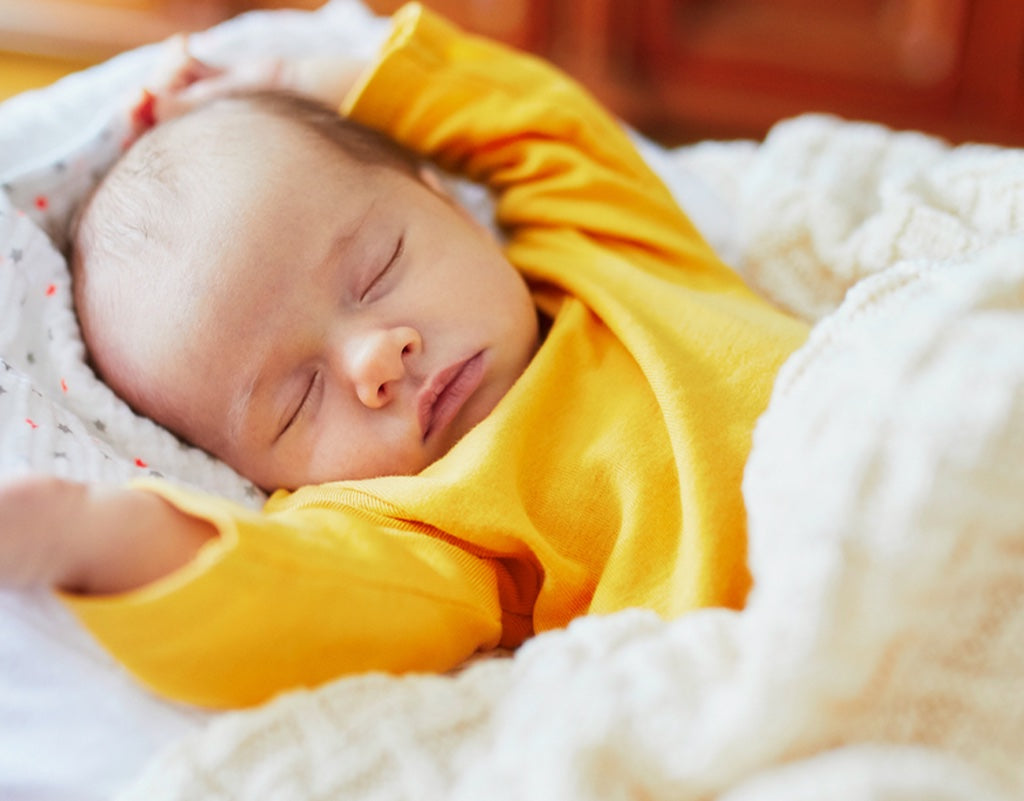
<point>555,159</point>
<point>90,540</point>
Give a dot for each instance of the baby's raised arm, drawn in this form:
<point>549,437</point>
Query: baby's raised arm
<point>91,540</point>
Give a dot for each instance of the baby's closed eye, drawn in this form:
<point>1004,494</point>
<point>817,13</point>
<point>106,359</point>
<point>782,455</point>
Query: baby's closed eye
<point>306,402</point>
<point>378,281</point>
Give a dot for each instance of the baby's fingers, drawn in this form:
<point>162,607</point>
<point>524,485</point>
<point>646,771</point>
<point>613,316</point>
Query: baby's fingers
<point>180,69</point>
<point>165,93</point>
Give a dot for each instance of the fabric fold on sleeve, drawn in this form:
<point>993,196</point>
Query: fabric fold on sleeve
<point>295,599</point>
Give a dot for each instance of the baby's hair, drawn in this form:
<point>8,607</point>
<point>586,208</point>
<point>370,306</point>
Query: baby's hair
<point>361,143</point>
<point>148,164</point>
<point>129,229</point>
<point>148,160</point>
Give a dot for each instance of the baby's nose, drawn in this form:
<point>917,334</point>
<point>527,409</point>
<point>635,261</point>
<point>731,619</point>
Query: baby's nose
<point>378,362</point>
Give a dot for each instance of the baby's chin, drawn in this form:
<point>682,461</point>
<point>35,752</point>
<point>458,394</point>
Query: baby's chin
<point>291,481</point>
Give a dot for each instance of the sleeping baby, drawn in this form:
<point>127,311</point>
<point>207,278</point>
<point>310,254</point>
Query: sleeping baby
<point>468,441</point>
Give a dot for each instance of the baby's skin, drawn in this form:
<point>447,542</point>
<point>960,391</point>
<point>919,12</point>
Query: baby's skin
<point>304,317</point>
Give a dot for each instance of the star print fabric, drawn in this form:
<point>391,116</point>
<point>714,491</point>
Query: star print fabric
<point>56,416</point>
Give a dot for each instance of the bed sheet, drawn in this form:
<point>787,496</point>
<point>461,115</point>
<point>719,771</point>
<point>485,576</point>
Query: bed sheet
<point>73,726</point>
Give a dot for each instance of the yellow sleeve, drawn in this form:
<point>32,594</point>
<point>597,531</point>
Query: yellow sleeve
<point>551,153</point>
<point>295,598</point>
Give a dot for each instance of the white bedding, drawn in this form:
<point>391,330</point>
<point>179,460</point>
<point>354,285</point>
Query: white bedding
<point>880,653</point>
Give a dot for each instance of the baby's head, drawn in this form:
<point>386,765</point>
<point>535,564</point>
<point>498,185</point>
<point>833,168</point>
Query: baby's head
<point>296,295</point>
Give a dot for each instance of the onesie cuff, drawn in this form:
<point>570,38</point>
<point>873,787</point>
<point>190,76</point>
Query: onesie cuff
<point>404,58</point>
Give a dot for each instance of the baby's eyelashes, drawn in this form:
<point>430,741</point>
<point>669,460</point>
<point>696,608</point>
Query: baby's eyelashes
<point>373,288</point>
<point>305,403</point>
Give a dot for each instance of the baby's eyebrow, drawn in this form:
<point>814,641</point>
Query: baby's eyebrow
<point>344,239</point>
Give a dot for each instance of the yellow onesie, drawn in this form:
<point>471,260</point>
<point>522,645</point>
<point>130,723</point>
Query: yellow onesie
<point>608,477</point>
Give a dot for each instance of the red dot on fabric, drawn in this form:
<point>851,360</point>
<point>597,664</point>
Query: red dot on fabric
<point>51,290</point>
<point>42,202</point>
<point>140,463</point>
<point>32,422</point>
<point>64,385</point>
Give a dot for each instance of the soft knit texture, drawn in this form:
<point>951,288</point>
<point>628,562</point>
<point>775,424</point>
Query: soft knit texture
<point>658,362</point>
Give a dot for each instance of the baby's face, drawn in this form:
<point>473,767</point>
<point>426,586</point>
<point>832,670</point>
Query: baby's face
<point>345,321</point>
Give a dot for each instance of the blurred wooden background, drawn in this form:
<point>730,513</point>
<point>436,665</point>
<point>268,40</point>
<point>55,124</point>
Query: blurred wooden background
<point>678,69</point>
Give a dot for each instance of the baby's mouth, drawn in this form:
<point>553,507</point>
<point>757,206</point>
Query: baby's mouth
<point>446,392</point>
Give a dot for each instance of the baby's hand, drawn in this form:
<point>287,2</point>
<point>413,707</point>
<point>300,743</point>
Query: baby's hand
<point>86,539</point>
<point>184,82</point>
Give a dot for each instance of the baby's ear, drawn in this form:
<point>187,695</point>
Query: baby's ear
<point>430,177</point>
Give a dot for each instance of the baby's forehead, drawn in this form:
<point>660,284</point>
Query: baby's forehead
<point>217,133</point>
<point>168,206</point>
<point>179,164</point>
<point>234,126</point>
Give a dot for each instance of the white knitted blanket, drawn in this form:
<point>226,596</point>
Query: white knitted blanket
<point>882,652</point>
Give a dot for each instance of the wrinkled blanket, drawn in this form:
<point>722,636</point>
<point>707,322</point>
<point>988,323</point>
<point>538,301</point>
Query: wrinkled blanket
<point>881,655</point>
